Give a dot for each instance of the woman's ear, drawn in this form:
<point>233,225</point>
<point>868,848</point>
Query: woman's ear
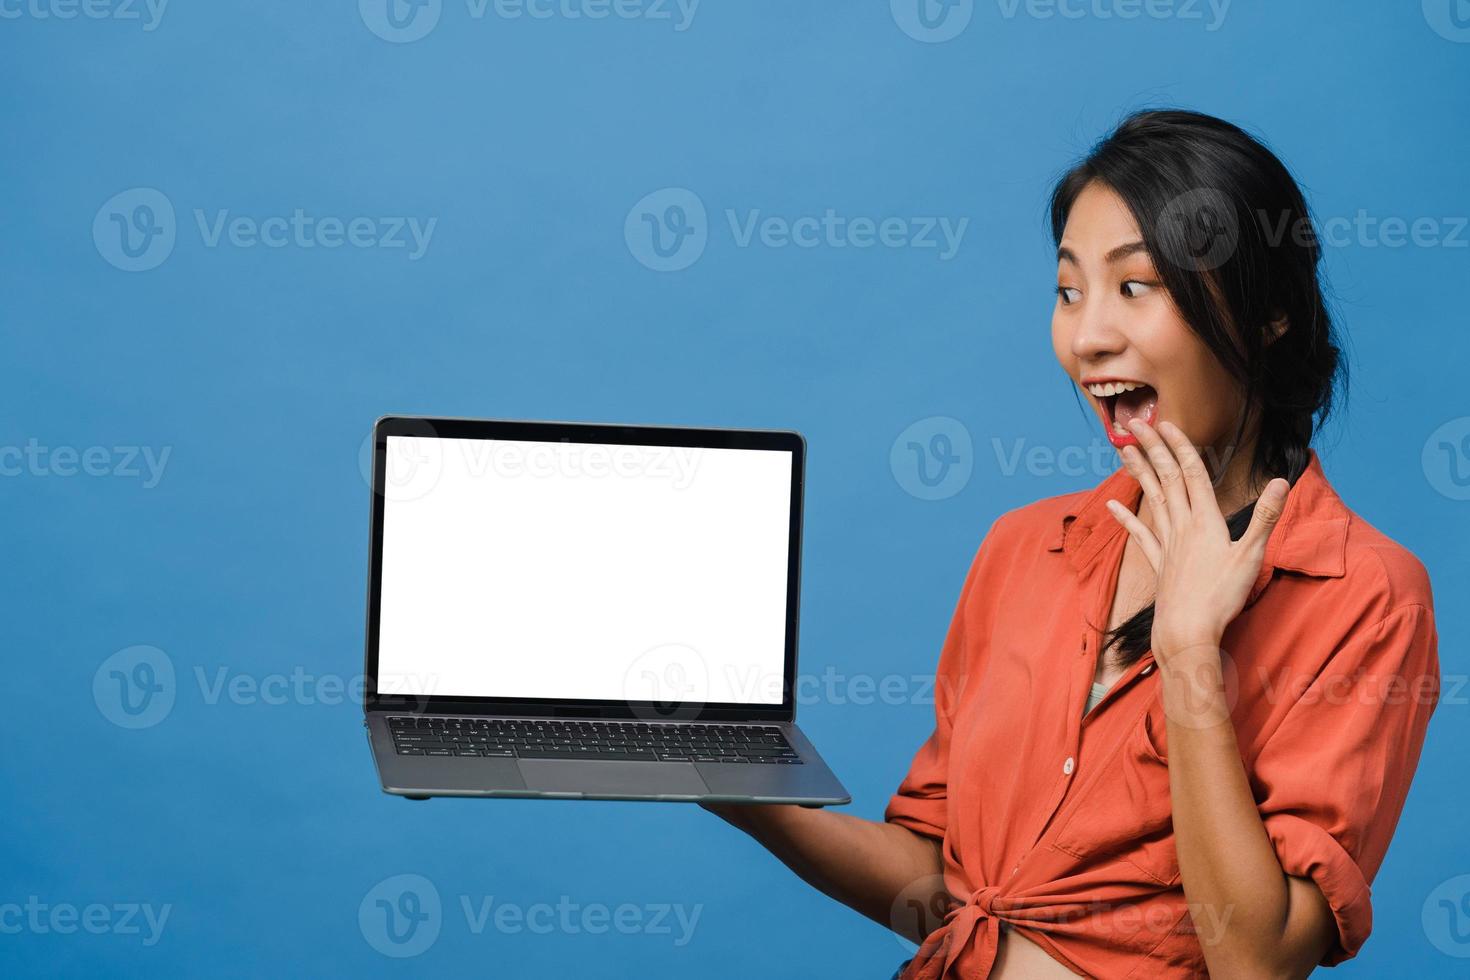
<point>1276,328</point>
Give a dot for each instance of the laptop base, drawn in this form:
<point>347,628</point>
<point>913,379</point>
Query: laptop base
<point>420,777</point>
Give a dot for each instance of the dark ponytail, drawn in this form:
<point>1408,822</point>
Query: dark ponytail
<point>1233,242</point>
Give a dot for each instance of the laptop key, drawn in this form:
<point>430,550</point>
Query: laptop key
<point>410,751</point>
<point>438,751</point>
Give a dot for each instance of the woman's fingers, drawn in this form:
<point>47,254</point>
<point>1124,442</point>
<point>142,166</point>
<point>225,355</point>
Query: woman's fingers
<point>1143,472</point>
<point>1267,512</point>
<point>1196,476</point>
<point>1171,480</point>
<point>1141,534</point>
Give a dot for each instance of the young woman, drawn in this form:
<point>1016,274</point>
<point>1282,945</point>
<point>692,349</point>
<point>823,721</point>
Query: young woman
<point>1176,715</point>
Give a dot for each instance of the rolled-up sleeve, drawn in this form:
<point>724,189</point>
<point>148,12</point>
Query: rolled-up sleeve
<point>922,801</point>
<point>1332,779</point>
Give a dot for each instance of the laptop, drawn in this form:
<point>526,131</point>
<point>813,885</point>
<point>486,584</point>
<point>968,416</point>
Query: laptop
<point>587,611</point>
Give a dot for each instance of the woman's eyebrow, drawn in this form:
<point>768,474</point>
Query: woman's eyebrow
<point>1125,250</point>
<point>1117,254</point>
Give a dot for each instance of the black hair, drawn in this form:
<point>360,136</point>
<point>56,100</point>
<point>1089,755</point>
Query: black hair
<point>1233,241</point>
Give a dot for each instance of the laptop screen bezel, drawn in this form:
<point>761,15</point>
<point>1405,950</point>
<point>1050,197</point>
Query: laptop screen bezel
<point>593,433</point>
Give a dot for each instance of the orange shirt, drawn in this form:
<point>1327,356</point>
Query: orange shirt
<point>1058,825</point>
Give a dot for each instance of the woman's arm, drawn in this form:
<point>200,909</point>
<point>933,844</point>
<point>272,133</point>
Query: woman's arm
<point>1251,918</point>
<point>861,863</point>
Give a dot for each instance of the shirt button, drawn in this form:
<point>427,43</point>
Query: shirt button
<point>1067,767</point>
<point>1148,669</point>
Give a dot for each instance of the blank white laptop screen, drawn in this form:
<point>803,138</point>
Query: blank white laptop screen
<point>557,570</point>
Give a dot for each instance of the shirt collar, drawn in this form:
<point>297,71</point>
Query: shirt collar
<point>1310,537</point>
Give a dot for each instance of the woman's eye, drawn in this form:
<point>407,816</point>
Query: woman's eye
<point>1133,289</point>
<point>1068,294</point>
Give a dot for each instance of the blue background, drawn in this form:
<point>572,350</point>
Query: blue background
<point>261,369</point>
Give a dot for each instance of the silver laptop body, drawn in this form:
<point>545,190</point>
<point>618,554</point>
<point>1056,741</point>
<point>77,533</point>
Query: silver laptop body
<point>587,611</point>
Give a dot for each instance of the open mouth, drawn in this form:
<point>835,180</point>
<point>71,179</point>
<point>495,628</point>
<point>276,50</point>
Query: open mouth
<point>1123,401</point>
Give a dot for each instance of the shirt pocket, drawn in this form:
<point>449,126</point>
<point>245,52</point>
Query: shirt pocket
<point>1125,814</point>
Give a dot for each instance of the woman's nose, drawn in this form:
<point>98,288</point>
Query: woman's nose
<point>1097,335</point>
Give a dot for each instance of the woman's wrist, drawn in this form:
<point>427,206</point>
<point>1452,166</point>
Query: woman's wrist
<point>1195,693</point>
<point>1193,641</point>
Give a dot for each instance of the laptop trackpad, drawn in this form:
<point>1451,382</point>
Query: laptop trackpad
<point>612,778</point>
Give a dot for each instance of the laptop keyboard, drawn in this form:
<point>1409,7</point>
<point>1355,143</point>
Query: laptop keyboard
<point>521,738</point>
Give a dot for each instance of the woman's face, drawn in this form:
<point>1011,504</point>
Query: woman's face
<point>1114,326</point>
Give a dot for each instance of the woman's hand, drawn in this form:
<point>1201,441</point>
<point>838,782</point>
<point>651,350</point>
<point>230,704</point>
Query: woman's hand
<point>1203,576</point>
<point>741,816</point>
